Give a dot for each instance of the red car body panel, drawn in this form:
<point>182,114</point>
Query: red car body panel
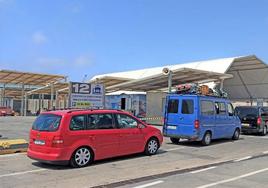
<point>105,143</point>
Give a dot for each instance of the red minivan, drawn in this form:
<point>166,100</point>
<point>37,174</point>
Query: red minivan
<point>78,137</point>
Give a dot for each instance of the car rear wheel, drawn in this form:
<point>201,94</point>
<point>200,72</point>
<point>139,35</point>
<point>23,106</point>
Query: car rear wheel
<point>152,146</point>
<point>206,139</point>
<point>264,131</point>
<point>175,140</point>
<point>82,157</point>
<point>236,134</point>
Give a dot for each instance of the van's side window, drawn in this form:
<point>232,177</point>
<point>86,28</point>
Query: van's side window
<point>230,109</point>
<point>220,108</point>
<point>207,108</point>
<point>78,123</point>
<point>187,106</point>
<point>173,105</point>
<point>100,121</point>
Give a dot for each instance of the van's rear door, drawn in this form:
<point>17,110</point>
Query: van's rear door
<point>180,115</point>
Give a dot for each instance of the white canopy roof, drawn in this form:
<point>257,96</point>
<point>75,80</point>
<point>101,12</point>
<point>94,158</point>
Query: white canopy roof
<point>250,77</point>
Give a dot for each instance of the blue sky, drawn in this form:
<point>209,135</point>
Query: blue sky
<point>78,37</point>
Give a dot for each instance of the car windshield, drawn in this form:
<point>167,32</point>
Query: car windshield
<point>47,122</point>
<point>246,112</point>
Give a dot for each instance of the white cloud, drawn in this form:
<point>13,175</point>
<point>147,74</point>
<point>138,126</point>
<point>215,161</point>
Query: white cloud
<point>39,38</point>
<point>82,61</point>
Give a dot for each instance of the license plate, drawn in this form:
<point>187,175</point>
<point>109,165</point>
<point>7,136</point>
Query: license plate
<point>245,124</point>
<point>172,127</point>
<point>39,142</point>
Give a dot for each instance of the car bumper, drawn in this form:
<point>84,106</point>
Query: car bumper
<point>57,157</point>
<point>251,130</point>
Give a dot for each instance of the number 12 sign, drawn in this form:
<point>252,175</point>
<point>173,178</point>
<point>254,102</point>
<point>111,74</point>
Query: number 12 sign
<point>86,95</point>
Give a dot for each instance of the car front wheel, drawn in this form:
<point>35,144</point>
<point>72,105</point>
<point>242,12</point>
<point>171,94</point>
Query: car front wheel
<point>152,146</point>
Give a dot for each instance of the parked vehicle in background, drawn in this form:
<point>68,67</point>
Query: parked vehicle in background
<point>254,119</point>
<point>6,111</point>
<point>78,137</point>
<point>199,118</point>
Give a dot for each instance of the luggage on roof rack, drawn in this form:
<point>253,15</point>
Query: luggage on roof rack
<point>200,90</point>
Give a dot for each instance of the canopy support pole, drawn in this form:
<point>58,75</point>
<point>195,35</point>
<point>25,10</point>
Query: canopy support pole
<point>170,81</point>
<point>22,100</point>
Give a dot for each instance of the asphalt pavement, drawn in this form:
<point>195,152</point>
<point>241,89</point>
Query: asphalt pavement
<point>171,166</point>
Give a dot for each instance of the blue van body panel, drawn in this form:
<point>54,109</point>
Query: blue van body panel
<point>180,125</point>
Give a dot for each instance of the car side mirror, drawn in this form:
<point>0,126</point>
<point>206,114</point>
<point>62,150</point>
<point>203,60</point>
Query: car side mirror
<point>140,126</point>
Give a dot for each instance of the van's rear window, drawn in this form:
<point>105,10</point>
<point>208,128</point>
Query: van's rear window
<point>187,106</point>
<point>173,105</point>
<point>47,122</point>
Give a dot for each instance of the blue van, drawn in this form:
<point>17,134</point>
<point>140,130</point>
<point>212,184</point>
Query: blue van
<point>199,118</point>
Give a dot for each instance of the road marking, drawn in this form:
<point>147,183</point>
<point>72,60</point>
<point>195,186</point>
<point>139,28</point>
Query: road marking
<point>21,173</point>
<point>242,159</point>
<point>11,155</point>
<point>233,179</point>
<point>265,152</point>
<point>202,170</point>
<point>173,149</point>
<point>149,184</point>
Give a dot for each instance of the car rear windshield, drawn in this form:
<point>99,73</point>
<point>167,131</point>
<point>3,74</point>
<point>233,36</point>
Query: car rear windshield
<point>247,112</point>
<point>47,122</point>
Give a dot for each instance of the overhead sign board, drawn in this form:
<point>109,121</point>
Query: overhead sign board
<point>85,95</point>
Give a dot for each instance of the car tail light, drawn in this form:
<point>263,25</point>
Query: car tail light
<point>259,120</point>
<point>57,141</point>
<point>196,124</point>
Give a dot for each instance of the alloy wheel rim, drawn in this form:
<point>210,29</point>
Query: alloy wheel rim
<point>82,156</point>
<point>152,146</point>
<point>207,139</point>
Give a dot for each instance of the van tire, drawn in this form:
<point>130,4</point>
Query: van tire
<point>264,131</point>
<point>152,146</point>
<point>85,152</point>
<point>206,139</point>
<point>175,140</point>
<point>236,134</point>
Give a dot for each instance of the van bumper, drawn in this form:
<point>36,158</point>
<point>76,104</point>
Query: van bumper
<point>188,137</point>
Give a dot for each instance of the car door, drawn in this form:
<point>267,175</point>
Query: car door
<point>132,138</point>
<point>103,135</point>
<point>171,124</point>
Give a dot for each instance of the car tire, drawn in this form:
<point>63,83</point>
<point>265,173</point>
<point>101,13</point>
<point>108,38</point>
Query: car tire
<point>152,146</point>
<point>175,140</point>
<point>206,139</point>
<point>82,157</point>
<point>264,131</point>
<point>236,134</point>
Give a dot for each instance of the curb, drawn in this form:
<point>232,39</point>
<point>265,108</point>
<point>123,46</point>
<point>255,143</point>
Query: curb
<point>8,146</point>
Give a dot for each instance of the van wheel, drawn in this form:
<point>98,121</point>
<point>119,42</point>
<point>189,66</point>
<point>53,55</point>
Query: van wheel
<point>236,134</point>
<point>81,157</point>
<point>151,147</point>
<point>264,132</point>
<point>175,140</point>
<point>206,139</point>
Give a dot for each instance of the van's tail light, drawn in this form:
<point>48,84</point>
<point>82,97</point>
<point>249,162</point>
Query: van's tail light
<point>57,141</point>
<point>196,124</point>
<point>259,121</point>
